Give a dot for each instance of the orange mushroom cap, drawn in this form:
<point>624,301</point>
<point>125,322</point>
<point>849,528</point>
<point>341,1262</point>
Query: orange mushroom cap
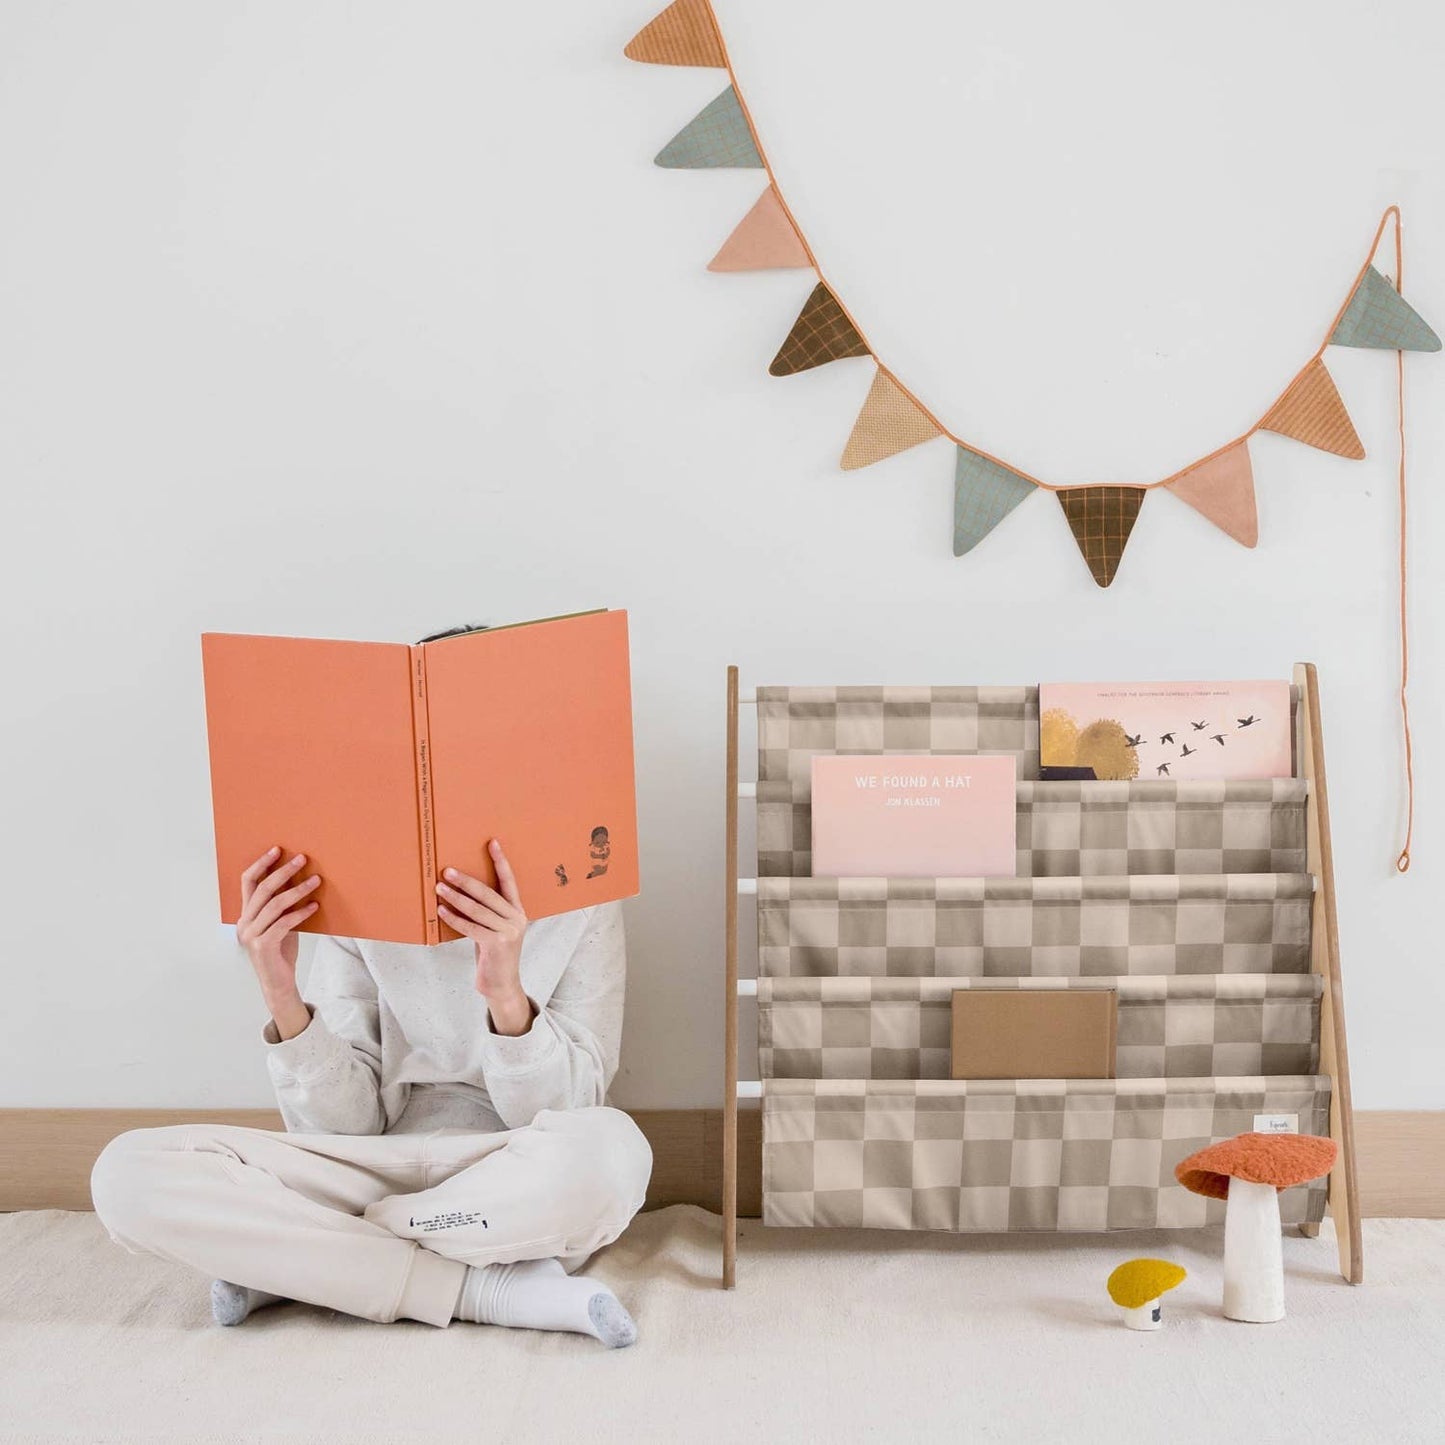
<point>1278,1159</point>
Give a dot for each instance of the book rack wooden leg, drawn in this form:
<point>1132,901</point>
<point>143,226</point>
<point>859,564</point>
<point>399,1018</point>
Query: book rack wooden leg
<point>1325,961</point>
<point>730,985</point>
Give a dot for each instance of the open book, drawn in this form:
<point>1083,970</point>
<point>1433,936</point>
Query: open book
<point>385,763</point>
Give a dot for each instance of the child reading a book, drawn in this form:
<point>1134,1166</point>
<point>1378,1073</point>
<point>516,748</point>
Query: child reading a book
<point>448,1154</point>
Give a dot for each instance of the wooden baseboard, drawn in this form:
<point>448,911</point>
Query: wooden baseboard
<point>46,1155</point>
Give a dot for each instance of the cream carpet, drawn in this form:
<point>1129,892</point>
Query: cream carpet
<point>830,1336</point>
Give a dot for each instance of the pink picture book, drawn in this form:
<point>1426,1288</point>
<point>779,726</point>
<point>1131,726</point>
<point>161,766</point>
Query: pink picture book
<point>914,816</point>
<point>1180,731</point>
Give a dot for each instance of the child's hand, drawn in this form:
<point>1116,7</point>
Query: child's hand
<point>496,924</point>
<point>266,929</point>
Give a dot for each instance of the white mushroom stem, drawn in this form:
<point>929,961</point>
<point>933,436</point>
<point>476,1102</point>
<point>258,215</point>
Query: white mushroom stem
<point>1253,1254</point>
<point>1144,1317</point>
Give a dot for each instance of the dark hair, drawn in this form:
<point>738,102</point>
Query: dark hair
<point>453,632</point>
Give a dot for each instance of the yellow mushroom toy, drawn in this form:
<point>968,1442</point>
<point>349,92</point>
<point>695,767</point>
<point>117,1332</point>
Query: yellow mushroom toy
<point>1136,1287</point>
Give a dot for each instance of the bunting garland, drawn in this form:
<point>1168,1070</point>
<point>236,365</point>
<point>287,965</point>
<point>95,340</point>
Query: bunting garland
<point>1101,519</point>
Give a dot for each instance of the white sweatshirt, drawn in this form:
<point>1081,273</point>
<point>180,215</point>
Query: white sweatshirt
<point>401,1042</point>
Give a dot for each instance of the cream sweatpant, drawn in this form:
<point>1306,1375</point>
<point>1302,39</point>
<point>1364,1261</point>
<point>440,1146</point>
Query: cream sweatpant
<point>380,1226</point>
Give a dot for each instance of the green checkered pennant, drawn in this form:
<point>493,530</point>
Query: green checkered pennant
<point>1379,317</point>
<point>984,493</point>
<point>718,136</point>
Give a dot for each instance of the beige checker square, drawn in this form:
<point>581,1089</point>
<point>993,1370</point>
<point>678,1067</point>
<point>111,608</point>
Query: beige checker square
<point>895,1025</point>
<point>1083,1121</point>
<point>1135,1162</point>
<point>1083,1207</point>
<point>936,1208</point>
<point>911,924</point>
<point>1188,1023</point>
<point>1199,924</point>
<point>887,1207</point>
<point>789,1209</point>
<point>984,1208</point>
<point>888,1118</point>
<point>789,1168</point>
<point>860,730</point>
<point>837,1164</point>
<point>981,1120</point>
<point>1035,1162</point>
<point>937,1162</point>
<point>791,1125</point>
<point>803,1027</point>
<point>858,961</point>
<point>1007,927</point>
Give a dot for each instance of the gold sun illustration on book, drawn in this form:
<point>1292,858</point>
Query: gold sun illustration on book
<point>1103,746</point>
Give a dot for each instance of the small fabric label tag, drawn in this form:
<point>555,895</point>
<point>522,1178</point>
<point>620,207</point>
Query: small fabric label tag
<point>1276,1123</point>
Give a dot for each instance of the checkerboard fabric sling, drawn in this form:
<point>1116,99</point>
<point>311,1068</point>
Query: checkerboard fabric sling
<point>992,1155</point>
<point>1191,899</point>
<point>1098,829</point>
<point>1048,927</point>
<point>1169,1027</point>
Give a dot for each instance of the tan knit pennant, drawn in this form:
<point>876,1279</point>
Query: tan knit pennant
<point>1222,489</point>
<point>889,423</point>
<point>821,333</point>
<point>1311,412</point>
<point>764,240</point>
<point>1101,519</point>
<point>684,34</point>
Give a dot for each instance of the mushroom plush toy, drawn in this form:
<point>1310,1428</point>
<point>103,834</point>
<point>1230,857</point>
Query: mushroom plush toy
<point>1137,1286</point>
<point>1248,1172</point>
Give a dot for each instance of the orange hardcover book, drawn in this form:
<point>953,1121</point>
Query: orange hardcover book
<point>385,763</point>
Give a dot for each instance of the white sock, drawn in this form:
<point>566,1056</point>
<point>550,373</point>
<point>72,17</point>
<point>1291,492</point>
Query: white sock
<point>538,1294</point>
<point>231,1303</point>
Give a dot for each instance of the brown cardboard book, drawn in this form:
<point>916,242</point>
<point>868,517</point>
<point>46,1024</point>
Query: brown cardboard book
<point>1036,1033</point>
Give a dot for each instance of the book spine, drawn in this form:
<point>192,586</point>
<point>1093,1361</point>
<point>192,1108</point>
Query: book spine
<point>425,815</point>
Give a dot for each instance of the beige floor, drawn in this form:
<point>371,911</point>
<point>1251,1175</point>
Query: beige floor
<point>830,1337</point>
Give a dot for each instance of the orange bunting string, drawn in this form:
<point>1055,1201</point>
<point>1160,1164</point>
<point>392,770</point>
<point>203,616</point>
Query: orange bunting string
<point>1220,486</point>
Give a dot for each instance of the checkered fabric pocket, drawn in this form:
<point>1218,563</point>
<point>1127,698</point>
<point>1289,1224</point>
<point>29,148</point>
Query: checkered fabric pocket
<point>899,1028</point>
<point>1047,928</point>
<point>795,723</point>
<point>993,1155</point>
<point>1099,829</point>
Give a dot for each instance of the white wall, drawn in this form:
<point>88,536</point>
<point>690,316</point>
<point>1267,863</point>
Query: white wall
<point>359,319</point>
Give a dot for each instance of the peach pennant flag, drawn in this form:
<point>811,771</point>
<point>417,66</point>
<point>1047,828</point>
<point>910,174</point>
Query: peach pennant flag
<point>1311,412</point>
<point>683,34</point>
<point>764,240</point>
<point>889,423</point>
<point>1222,489</point>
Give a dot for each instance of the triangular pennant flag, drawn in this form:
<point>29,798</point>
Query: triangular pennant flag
<point>1101,519</point>
<point>890,422</point>
<point>717,136</point>
<point>684,34</point>
<point>1222,489</point>
<point>764,240</point>
<point>821,333</point>
<point>1378,316</point>
<point>1311,412</point>
<point>984,493</point>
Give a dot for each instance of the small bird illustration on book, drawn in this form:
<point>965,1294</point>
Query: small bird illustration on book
<point>1219,738</point>
<point>1247,722</point>
<point>1188,751</point>
<point>1199,727</point>
<point>1167,738</point>
<point>1163,768</point>
<point>1134,742</point>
